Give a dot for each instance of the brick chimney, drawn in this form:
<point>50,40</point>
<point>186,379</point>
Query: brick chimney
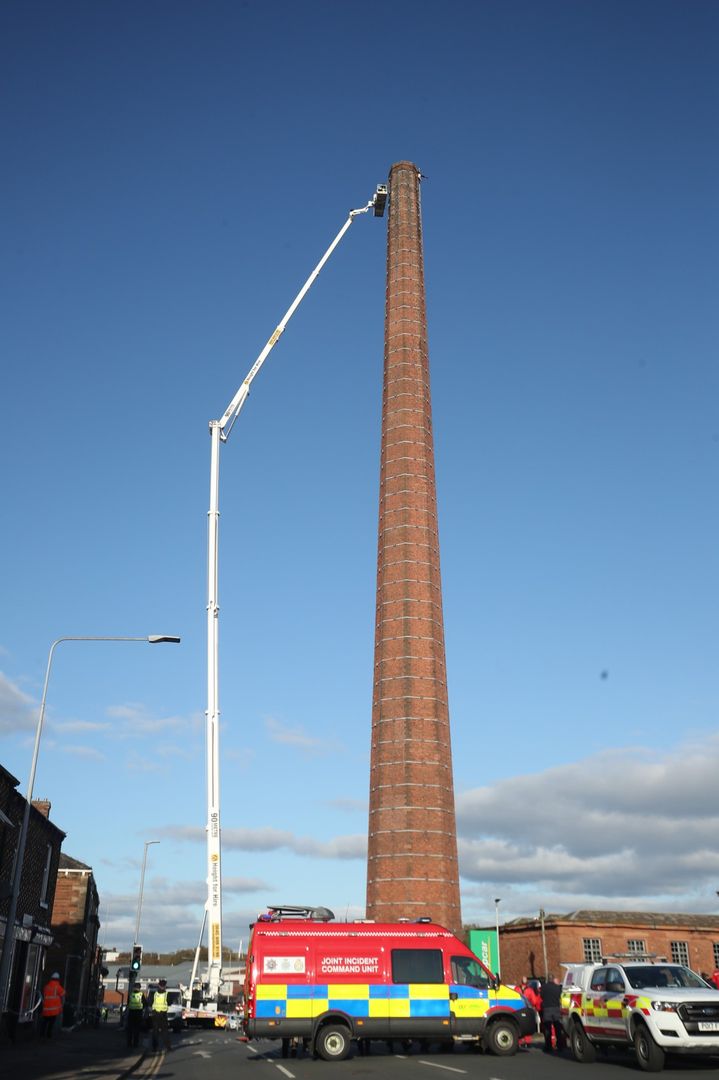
<point>412,851</point>
<point>43,806</point>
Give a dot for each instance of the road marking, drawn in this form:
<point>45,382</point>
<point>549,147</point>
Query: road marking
<point>286,1072</point>
<point>253,1049</point>
<point>201,1053</point>
<point>151,1064</point>
<point>435,1065</point>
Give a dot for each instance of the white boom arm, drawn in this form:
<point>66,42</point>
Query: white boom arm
<point>219,432</point>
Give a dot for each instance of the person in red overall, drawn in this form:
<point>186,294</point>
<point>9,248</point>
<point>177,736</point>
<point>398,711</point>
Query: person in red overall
<point>52,997</point>
<point>533,999</point>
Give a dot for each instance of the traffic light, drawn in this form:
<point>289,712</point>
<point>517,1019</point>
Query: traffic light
<point>136,963</point>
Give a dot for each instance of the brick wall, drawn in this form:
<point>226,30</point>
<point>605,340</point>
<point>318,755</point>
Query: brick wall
<point>412,848</point>
<point>521,948</point>
<point>43,837</point>
<point>75,926</point>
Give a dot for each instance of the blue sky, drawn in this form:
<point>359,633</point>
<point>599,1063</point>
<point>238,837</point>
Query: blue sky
<point>173,171</point>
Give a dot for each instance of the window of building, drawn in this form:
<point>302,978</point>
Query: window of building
<point>46,878</point>
<point>592,949</point>
<point>680,952</point>
<point>716,955</point>
<point>636,945</point>
<point>417,966</point>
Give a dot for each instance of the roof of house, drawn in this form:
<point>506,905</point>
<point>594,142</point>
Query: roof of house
<point>68,863</point>
<point>588,917</point>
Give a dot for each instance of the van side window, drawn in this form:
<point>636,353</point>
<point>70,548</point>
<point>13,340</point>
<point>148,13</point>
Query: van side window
<point>467,972</point>
<point>417,966</point>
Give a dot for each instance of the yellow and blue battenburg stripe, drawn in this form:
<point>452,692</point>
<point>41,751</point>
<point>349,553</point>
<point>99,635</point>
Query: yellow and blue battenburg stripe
<point>377,1000</point>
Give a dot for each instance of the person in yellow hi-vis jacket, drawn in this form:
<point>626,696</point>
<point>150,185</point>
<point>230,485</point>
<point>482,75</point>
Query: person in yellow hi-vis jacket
<point>133,1017</point>
<point>158,1015</point>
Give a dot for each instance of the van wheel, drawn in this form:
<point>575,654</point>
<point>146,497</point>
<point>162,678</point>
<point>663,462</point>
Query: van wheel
<point>649,1055</point>
<point>502,1038</point>
<point>584,1051</point>
<point>333,1042</point>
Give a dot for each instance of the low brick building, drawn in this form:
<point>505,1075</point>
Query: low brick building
<point>589,935</point>
<point>75,925</point>
<point>31,934</point>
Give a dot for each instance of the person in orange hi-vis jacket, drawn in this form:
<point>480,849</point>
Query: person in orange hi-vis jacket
<point>52,997</point>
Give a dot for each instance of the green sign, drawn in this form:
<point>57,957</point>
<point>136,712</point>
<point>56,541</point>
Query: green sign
<point>483,944</point>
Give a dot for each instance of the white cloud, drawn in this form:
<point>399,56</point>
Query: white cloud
<point>630,829</point>
<point>136,763</point>
<point>18,711</point>
<point>136,720</point>
<point>349,806</point>
<point>73,726</point>
<point>167,750</point>
<point>269,839</point>
<point>296,737</point>
<point>84,752</point>
<point>624,825</point>
<point>244,885</point>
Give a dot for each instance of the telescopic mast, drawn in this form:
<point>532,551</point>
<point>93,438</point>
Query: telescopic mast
<point>219,433</point>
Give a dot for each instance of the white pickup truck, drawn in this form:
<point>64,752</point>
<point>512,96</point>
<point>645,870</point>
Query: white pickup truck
<point>656,1007</point>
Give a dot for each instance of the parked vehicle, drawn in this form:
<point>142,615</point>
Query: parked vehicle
<point>657,1007</point>
<point>326,983</point>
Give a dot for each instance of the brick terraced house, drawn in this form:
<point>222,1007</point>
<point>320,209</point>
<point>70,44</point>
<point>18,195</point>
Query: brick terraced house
<point>75,926</point>
<point>31,934</point>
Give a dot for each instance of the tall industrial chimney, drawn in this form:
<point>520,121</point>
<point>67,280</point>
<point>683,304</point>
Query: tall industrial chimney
<point>412,853</point>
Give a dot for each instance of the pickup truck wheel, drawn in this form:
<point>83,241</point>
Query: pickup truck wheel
<point>584,1050</point>
<point>502,1038</point>
<point>333,1042</point>
<point>649,1055</point>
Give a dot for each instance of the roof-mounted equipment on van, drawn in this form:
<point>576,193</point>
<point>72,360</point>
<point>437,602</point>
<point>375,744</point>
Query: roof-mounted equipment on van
<point>300,911</point>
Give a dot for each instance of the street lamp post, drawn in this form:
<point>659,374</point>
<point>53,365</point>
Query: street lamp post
<point>544,942</point>
<point>7,946</point>
<point>142,887</point>
<point>497,902</point>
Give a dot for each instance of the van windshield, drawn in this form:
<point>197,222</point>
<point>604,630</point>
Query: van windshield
<point>468,972</point>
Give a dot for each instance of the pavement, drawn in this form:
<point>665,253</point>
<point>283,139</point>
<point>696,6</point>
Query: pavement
<point>71,1054</point>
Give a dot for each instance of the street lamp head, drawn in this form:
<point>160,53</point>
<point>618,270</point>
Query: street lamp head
<point>498,899</point>
<point>158,639</point>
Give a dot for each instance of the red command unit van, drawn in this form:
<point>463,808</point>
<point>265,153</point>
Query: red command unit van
<point>329,983</point>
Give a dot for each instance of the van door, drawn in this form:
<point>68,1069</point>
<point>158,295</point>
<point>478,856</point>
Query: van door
<point>468,995</point>
<point>418,995</point>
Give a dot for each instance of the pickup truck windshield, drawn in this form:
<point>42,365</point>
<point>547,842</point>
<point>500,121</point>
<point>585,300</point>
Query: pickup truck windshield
<point>646,976</point>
